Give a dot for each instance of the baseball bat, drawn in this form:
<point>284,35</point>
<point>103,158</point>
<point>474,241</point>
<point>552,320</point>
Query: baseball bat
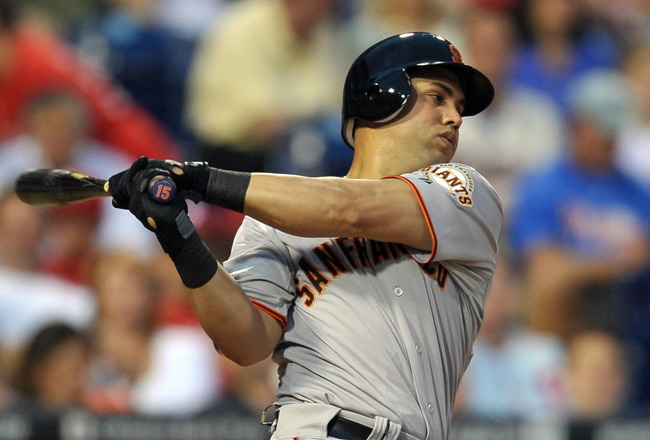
<point>41,187</point>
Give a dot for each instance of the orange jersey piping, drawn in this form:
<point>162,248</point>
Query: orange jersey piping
<point>278,316</point>
<point>423,208</point>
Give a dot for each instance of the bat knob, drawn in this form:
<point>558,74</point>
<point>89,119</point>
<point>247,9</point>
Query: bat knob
<point>162,189</point>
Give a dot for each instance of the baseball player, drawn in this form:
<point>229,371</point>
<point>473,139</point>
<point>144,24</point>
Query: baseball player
<point>367,289</point>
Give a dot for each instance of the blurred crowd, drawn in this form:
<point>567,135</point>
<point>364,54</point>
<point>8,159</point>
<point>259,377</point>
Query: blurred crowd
<point>93,314</point>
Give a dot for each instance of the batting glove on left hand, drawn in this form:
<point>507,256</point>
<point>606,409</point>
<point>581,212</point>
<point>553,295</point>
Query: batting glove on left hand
<point>174,230</point>
<point>169,221</point>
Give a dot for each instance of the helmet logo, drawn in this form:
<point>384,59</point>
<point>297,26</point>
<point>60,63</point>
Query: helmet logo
<point>456,57</point>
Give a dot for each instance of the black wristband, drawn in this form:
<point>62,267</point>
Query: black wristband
<point>227,188</point>
<point>194,262</point>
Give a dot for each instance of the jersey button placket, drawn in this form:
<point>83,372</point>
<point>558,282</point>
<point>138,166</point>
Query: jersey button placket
<point>397,291</point>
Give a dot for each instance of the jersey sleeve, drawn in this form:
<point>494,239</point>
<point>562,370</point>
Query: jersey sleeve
<point>463,211</point>
<point>259,262</point>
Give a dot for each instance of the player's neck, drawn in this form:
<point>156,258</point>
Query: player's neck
<point>373,167</point>
<point>378,155</point>
<point>381,159</point>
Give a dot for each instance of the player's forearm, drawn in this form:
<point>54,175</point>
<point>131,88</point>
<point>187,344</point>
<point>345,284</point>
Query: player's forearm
<point>302,206</point>
<point>242,333</point>
<point>332,207</point>
<point>299,205</point>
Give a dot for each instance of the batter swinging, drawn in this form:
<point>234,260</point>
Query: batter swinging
<point>369,289</point>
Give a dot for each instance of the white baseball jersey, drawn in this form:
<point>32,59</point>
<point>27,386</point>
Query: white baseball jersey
<point>380,328</point>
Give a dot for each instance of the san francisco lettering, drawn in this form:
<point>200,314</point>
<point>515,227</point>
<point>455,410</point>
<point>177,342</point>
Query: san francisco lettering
<point>330,260</point>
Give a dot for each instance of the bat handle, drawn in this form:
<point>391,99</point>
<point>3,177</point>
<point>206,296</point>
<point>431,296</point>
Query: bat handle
<point>162,189</point>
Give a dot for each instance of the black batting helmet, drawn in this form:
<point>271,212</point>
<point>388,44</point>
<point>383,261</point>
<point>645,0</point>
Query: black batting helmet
<point>378,85</point>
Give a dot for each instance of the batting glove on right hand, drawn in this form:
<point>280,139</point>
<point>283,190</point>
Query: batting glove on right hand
<point>191,178</point>
<point>199,182</point>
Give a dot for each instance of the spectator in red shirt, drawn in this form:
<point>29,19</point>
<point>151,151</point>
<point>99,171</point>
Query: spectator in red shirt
<point>33,60</point>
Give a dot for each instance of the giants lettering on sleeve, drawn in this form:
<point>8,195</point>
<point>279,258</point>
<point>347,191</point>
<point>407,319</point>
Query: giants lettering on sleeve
<point>454,178</point>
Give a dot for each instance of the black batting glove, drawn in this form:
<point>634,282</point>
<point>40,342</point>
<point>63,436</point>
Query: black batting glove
<point>199,182</point>
<point>121,184</point>
<point>174,230</point>
<point>191,178</point>
<point>157,217</point>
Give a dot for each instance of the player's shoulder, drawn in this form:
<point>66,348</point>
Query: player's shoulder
<point>462,183</point>
<point>453,174</point>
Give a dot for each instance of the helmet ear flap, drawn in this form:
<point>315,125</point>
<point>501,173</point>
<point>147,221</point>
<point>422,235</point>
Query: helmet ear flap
<point>385,97</point>
<point>380,102</point>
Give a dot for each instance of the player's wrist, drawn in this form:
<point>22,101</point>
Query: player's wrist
<point>194,180</point>
<point>195,263</point>
<point>193,259</point>
<point>227,188</point>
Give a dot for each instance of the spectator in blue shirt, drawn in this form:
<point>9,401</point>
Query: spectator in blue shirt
<point>581,227</point>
